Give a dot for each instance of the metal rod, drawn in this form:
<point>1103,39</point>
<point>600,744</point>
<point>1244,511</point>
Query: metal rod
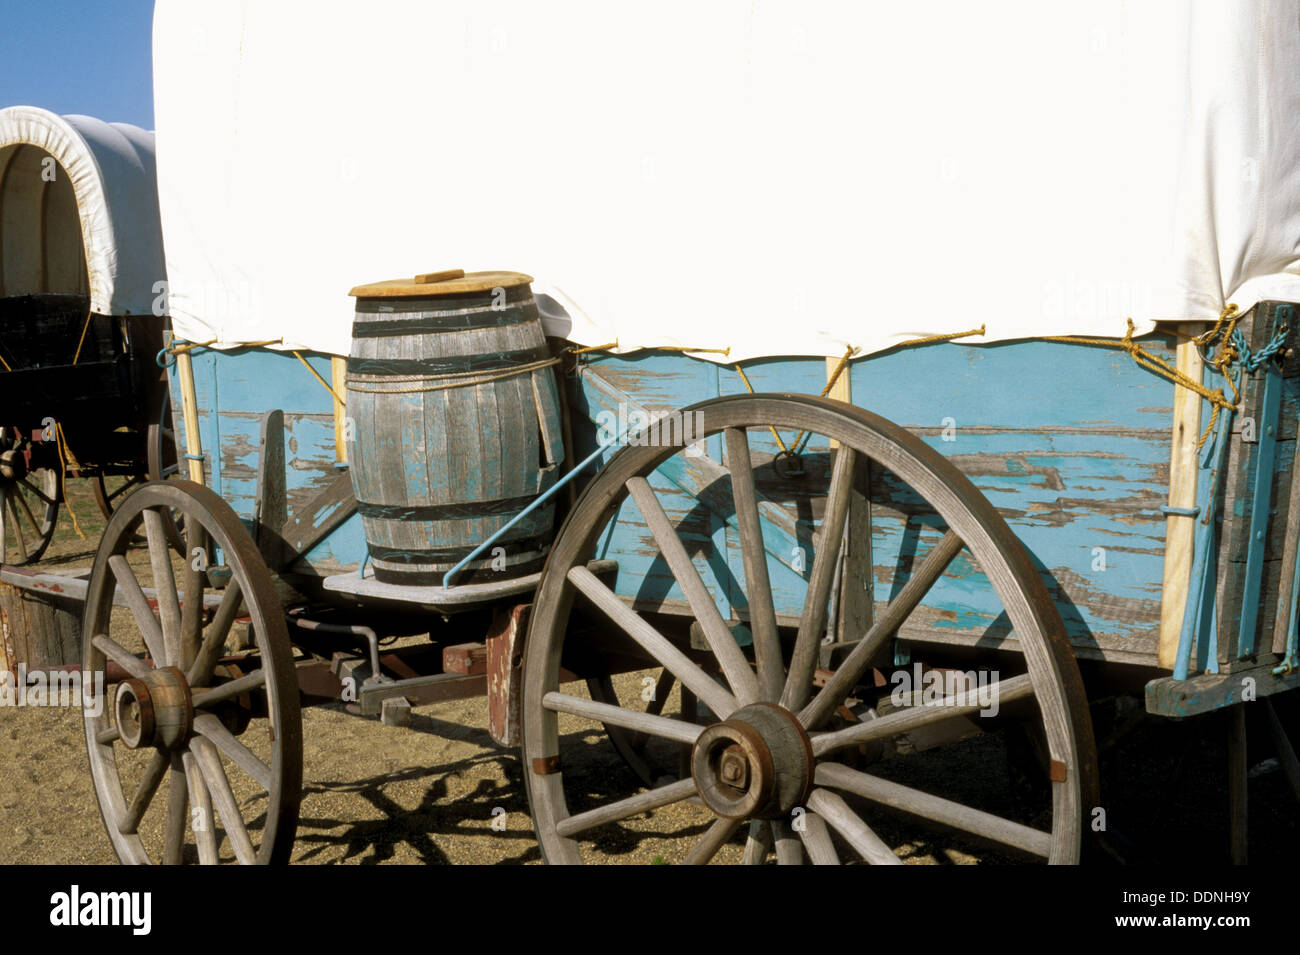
<point>541,499</point>
<point>354,630</point>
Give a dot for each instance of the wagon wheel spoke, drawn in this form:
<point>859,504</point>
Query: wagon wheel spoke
<point>713,839</point>
<point>209,726</point>
<point>164,582</point>
<point>17,522</point>
<point>789,851</point>
<point>237,687</point>
<point>27,511</point>
<point>812,622</point>
<point>131,481</point>
<point>660,726</point>
<point>191,622</point>
<point>223,799</point>
<point>758,589</point>
<point>848,824</point>
<point>201,817</point>
<point>144,792</point>
<point>758,843</point>
<point>714,696</point>
<point>105,498</point>
<point>631,806</point>
<point>177,815</point>
<point>961,703</point>
<point>934,808</point>
<point>38,492</point>
<point>817,840</point>
<point>138,604</point>
<point>900,608</point>
<point>633,746</point>
<point>717,634</point>
<point>124,658</point>
<point>214,637</point>
<point>663,687</point>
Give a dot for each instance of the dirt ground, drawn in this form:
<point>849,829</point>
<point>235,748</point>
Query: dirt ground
<point>431,792</point>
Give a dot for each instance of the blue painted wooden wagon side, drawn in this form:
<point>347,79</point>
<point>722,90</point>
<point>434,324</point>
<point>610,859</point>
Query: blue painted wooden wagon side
<point>1070,442</point>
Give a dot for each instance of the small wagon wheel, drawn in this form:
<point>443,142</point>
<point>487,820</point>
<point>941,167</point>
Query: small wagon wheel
<point>226,735</point>
<point>29,507</point>
<point>775,757</point>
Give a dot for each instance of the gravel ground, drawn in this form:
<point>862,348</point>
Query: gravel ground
<point>431,792</point>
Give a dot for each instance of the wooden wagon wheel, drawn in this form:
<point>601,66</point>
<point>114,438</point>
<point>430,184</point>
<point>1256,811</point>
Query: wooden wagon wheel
<point>774,755</point>
<point>182,710</point>
<point>29,507</point>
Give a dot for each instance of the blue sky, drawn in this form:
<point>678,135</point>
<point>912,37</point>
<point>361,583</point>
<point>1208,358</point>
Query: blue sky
<point>79,56</point>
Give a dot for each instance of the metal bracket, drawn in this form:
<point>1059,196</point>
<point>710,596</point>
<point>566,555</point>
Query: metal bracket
<point>546,765</point>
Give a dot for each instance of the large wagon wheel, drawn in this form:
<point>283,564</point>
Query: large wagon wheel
<point>182,711</point>
<point>29,506</point>
<point>775,755</point>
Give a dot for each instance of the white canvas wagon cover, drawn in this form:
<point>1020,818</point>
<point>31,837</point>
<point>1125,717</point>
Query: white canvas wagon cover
<point>85,223</point>
<point>767,176</point>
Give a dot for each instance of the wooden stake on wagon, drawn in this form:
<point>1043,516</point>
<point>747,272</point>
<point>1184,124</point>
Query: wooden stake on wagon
<point>338,376</point>
<point>190,409</point>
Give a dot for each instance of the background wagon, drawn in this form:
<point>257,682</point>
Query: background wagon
<point>80,273</point>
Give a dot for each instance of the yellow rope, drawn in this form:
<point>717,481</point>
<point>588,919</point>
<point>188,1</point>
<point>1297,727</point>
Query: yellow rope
<point>5,363</point>
<point>604,347</point>
<point>835,375</point>
<point>683,348</point>
<point>190,346</point>
<point>1153,363</point>
<point>830,383</point>
<point>61,445</point>
<point>745,379</point>
<point>931,339</point>
<point>316,375</point>
<point>84,328</point>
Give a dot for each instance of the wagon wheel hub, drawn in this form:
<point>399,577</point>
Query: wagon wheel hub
<point>155,711</point>
<point>756,764</point>
<point>13,466</point>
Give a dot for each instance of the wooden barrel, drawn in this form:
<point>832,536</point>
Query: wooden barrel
<point>454,425</point>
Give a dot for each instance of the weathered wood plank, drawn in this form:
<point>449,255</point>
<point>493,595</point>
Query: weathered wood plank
<point>1212,691</point>
<point>272,504</point>
<point>328,510</point>
<point>1183,469</point>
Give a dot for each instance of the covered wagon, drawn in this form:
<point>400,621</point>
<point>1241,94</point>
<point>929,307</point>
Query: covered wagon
<point>82,280</point>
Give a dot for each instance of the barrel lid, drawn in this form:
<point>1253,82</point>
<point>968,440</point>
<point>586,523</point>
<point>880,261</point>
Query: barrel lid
<point>448,282</point>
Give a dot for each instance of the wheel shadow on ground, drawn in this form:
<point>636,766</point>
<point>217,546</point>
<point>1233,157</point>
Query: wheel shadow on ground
<point>596,775</point>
